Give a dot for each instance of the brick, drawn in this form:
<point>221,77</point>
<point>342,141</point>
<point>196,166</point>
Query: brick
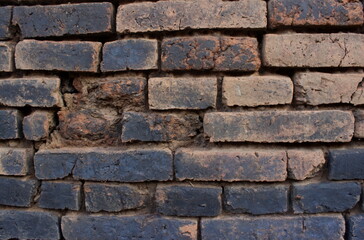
<point>155,127</point>
<point>5,22</point>
<point>303,164</point>
<point>179,15</point>
<point>324,13</point>
<point>319,227</point>
<point>60,195</point>
<point>182,93</point>
<point>254,91</point>
<point>113,197</point>
<point>359,123</point>
<point>231,165</point>
<point>313,50</point>
<point>104,165</point>
<point>10,124</point>
<point>188,201</point>
<point>21,224</point>
<point>346,164</point>
<point>325,196</point>
<point>69,56</point>
<point>130,54</point>
<point>210,53</point>
<point>67,19</point>
<point>141,227</point>
<point>280,126</point>
<point>15,161</point>
<point>6,56</point>
<point>315,88</point>
<point>31,91</point>
<point>256,199</point>
<point>17,191</point>
<point>38,125</point>
<point>356,227</point>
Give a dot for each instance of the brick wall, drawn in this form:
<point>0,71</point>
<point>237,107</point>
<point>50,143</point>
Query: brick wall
<point>181,119</point>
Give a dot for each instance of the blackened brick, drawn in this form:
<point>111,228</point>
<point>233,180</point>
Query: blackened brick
<point>15,161</point>
<point>38,125</point>
<point>113,197</point>
<point>346,164</point>
<point>141,227</point>
<point>188,201</point>
<point>356,227</point>
<point>210,53</point>
<point>10,124</point>
<point>6,57</point>
<point>130,54</point>
<point>17,191</point>
<point>70,56</point>
<point>60,195</point>
<point>256,199</point>
<point>5,22</point>
<point>67,19</point>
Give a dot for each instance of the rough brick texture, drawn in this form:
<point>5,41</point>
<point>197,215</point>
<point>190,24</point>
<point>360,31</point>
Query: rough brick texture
<point>10,124</point>
<point>5,21</point>
<point>17,191</point>
<point>356,227</point>
<point>6,56</point>
<point>38,125</point>
<point>15,161</point>
<point>305,163</point>
<point>346,164</point>
<point>359,123</point>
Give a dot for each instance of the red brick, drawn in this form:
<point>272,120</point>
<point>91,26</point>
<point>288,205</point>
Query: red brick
<point>304,164</point>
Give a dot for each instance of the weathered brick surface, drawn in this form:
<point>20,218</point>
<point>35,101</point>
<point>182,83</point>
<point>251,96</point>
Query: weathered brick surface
<point>182,93</point>
<point>359,123</point>
<point>256,199</point>
<point>188,201</point>
<point>304,164</point>
<point>180,15</point>
<point>325,197</point>
<point>113,197</point>
<point>313,50</point>
<point>20,224</point>
<point>155,127</point>
<point>38,125</point>
<point>254,91</point>
<point>60,195</point>
<point>128,227</point>
<point>130,54</point>
<point>5,22</point>
<point>6,56</point>
<point>315,88</point>
<point>280,126</point>
<point>356,227</point>
<point>320,227</point>
<point>15,161</point>
<point>231,165</point>
<point>70,56</point>
<point>210,53</point>
<point>346,164</point>
<point>10,124</point>
<point>67,19</point>
<point>17,191</point>
<point>31,91</point>
<point>315,13</point>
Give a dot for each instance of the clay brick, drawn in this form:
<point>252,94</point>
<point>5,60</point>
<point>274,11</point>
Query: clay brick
<point>31,91</point>
<point>254,91</point>
<point>188,201</point>
<point>313,50</point>
<point>304,164</point>
<point>83,227</point>
<point>38,125</point>
<point>210,53</point>
<point>256,199</point>
<point>130,54</point>
<point>5,22</point>
<point>19,224</point>
<point>180,15</point>
<point>182,93</point>
<point>315,13</point>
<point>356,227</point>
<point>319,227</point>
<point>113,197</point>
<point>67,19</point>
<point>155,127</point>
<point>231,165</point>
<point>315,88</point>
<point>10,124</point>
<point>280,126</point>
<point>70,56</point>
<point>15,161</point>
<point>17,191</point>
<point>359,123</point>
<point>346,164</point>
<point>6,56</point>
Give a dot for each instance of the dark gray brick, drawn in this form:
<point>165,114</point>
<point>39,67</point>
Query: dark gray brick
<point>346,164</point>
<point>356,227</point>
<point>17,191</point>
<point>28,225</point>
<point>67,19</point>
<point>143,227</point>
<point>256,199</point>
<point>60,195</point>
<point>38,125</point>
<point>5,22</point>
<point>188,201</point>
<point>10,124</point>
<point>15,161</point>
<point>113,197</point>
<point>6,56</point>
